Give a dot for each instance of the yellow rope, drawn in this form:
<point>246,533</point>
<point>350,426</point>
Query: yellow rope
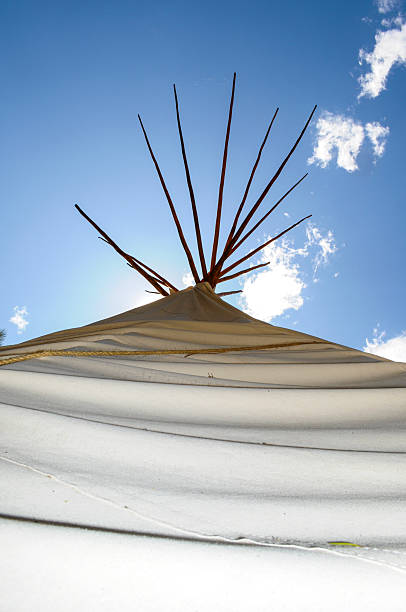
<point>343,544</point>
<point>186,352</point>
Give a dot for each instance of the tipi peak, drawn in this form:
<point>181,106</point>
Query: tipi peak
<point>216,272</point>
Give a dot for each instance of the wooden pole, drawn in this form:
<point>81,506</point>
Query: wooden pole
<point>228,292</point>
<point>223,174</point>
<point>191,192</point>
<point>237,216</point>
<point>172,208</point>
<point>127,257</point>
<point>162,279</point>
<point>139,262</point>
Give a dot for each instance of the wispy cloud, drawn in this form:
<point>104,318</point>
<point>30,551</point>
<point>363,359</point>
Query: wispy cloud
<point>345,137</point>
<point>18,318</point>
<point>279,287</point>
<point>389,50</point>
<point>392,348</point>
<point>385,6</point>
<point>325,245</point>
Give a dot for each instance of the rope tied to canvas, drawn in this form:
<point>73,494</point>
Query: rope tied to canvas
<point>185,352</point>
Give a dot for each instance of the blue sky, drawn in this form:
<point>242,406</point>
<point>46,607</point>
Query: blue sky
<point>74,76</point>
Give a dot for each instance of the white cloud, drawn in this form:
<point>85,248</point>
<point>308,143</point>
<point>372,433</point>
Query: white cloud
<point>389,50</point>
<point>393,348</point>
<point>19,319</point>
<point>268,294</point>
<point>390,21</point>
<point>188,280</point>
<point>378,135</point>
<point>345,136</point>
<point>385,6</point>
<point>336,132</point>
<point>279,287</point>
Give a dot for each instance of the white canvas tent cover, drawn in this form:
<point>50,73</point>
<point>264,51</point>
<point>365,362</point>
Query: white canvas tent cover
<point>209,438</point>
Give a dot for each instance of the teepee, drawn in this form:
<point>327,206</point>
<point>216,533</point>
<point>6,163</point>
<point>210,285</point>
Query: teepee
<point>184,455</point>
